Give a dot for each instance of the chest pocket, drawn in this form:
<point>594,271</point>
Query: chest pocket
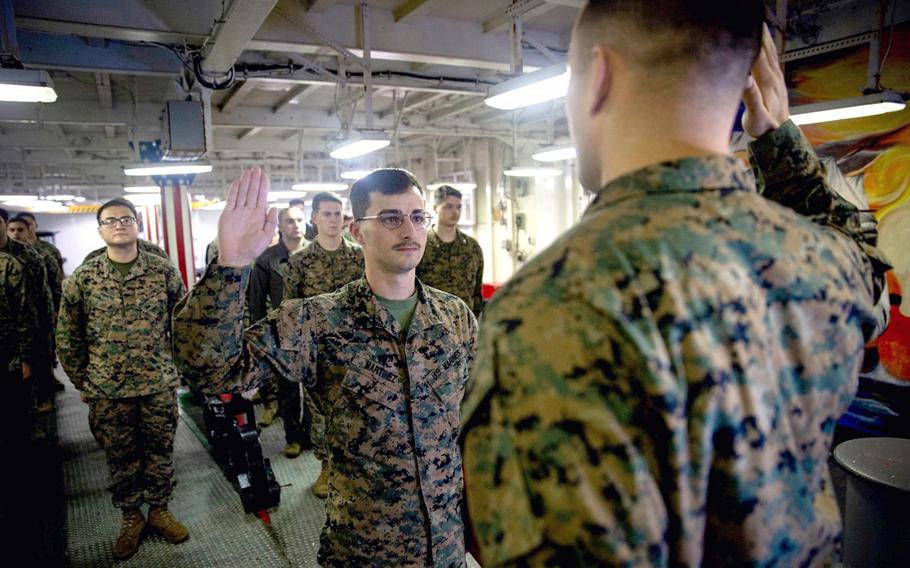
<point>370,415</point>
<point>447,382</point>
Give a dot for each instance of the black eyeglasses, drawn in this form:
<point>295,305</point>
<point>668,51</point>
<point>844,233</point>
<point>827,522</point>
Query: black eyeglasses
<point>111,221</point>
<point>393,219</point>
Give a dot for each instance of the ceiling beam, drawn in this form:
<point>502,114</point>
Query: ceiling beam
<point>456,109</point>
<point>409,10</point>
<point>243,20</point>
<point>526,9</point>
<point>105,99</point>
<point>249,133</point>
<point>236,96</point>
<point>294,96</point>
<point>318,5</point>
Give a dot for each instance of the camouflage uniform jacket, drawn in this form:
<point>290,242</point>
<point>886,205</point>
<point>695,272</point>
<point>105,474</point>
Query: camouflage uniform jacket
<point>114,333</point>
<point>455,267</point>
<point>142,244</point>
<point>18,319</point>
<point>313,270</point>
<point>53,265</point>
<point>266,283</point>
<point>39,291</point>
<point>392,419</point>
<point>661,385</point>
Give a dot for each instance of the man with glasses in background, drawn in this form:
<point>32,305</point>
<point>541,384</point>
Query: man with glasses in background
<point>389,356</point>
<point>114,341</point>
<point>324,266</point>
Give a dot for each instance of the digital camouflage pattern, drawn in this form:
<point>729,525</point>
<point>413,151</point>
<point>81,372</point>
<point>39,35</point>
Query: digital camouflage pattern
<point>142,244</point>
<point>18,320</point>
<point>113,333</point>
<point>36,284</point>
<point>53,266</point>
<point>47,248</point>
<point>660,387</point>
<point>396,481</point>
<point>310,272</point>
<point>456,268</point>
<point>149,423</point>
<point>314,270</point>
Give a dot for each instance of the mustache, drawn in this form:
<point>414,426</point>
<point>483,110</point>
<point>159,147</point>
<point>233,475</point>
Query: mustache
<point>407,244</point>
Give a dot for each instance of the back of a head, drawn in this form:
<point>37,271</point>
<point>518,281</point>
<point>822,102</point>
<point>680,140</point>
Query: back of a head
<point>386,181</point>
<point>713,40</point>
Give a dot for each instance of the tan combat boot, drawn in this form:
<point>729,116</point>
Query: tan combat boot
<point>292,450</point>
<point>321,487</point>
<point>268,415</point>
<point>130,536</point>
<point>167,526</point>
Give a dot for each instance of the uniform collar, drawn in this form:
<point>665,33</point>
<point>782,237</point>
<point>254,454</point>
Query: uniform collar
<point>138,268</point>
<point>434,240</point>
<point>366,307</point>
<point>708,173</point>
<point>343,249</point>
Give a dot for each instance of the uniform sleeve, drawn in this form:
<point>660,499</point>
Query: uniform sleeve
<point>24,312</point>
<point>54,280</point>
<point>175,290</point>
<point>788,171</point>
<point>293,279</point>
<point>215,354</point>
<point>72,348</point>
<point>258,290</point>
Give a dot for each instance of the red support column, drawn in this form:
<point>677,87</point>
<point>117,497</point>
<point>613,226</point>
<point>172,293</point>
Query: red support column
<point>178,231</point>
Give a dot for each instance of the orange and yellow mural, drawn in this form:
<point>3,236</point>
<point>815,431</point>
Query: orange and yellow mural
<point>874,154</point>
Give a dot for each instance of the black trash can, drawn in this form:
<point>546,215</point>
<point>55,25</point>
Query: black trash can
<point>877,513</point>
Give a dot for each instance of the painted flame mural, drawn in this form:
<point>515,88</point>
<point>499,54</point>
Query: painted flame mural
<point>873,156</point>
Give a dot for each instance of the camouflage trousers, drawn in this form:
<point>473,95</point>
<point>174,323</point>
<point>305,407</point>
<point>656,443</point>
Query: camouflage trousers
<point>317,428</point>
<point>137,435</point>
<point>290,410</point>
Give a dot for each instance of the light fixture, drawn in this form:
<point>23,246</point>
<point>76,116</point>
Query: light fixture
<point>61,197</point>
<point>36,205</point>
<point>355,174</point>
<point>532,172</point>
<point>459,185</point>
<point>857,107</point>
<point>18,197</point>
<point>167,169</point>
<point>141,189</point>
<point>276,195</point>
<point>360,144</point>
<point>319,186</point>
<point>540,86</point>
<point>26,86</point>
<point>555,154</point>
<point>79,199</point>
<point>144,199</point>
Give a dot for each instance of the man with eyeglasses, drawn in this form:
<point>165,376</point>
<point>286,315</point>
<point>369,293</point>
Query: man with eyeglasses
<point>114,341</point>
<point>453,260</point>
<point>385,360</point>
<point>324,266</point>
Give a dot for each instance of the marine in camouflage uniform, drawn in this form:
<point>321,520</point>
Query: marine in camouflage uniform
<point>18,322</point>
<point>455,267</point>
<point>395,497</point>
<point>660,387</point>
<point>114,341</point>
<point>311,272</point>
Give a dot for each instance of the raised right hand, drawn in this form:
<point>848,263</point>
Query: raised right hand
<point>245,229</point>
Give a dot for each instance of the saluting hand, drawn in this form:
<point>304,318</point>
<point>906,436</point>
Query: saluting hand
<point>765,97</point>
<point>245,229</point>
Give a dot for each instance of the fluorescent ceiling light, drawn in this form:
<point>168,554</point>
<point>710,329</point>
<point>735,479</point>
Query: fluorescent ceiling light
<point>26,86</point>
<point>355,174</point>
<point>18,197</point>
<point>79,199</point>
<point>359,145</point>
<point>167,168</point>
<point>141,189</point>
<point>532,172</point>
<point>276,195</point>
<point>459,185</point>
<point>319,186</point>
<point>146,199</point>
<point>36,204</point>
<point>857,107</point>
<point>61,197</point>
<point>540,86</point>
<point>555,154</point>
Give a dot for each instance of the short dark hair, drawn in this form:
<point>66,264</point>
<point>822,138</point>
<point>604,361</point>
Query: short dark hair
<point>4,214</point>
<point>283,213</point>
<point>19,219</point>
<point>444,192</point>
<point>720,38</point>
<point>297,202</point>
<point>113,203</point>
<point>387,181</point>
<point>28,215</point>
<point>325,197</point>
